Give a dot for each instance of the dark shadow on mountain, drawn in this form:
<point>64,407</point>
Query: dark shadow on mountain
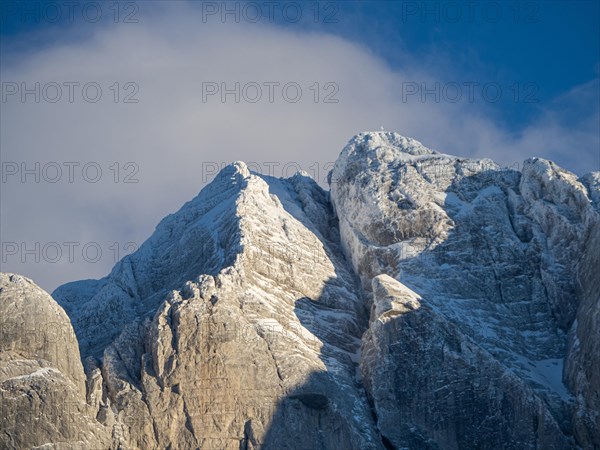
<point>329,411</point>
<point>450,378</point>
<point>441,391</point>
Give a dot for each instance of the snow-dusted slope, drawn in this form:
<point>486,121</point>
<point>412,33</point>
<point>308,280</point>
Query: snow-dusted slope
<point>201,238</point>
<point>495,254</point>
<point>42,383</point>
<point>238,321</point>
<point>427,301</point>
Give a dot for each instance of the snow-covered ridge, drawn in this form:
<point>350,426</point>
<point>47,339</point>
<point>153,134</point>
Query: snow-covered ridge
<point>203,237</point>
<point>495,252</point>
<point>426,301</point>
<point>255,261</point>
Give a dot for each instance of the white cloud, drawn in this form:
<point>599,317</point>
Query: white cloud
<point>171,133</point>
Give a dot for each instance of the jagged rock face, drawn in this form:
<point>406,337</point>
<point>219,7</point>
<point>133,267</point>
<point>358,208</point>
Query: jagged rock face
<point>582,370</point>
<point>33,325</point>
<point>42,383</point>
<point>201,238</point>
<point>438,312</point>
<point>433,387</point>
<point>260,351</point>
<point>494,255</point>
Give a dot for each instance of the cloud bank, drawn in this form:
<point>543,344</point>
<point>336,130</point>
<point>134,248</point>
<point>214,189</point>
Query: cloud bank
<point>110,167</point>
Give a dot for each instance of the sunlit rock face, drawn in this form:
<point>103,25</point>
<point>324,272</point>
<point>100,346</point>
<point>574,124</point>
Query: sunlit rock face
<point>42,383</point>
<point>238,323</point>
<point>426,301</point>
<point>504,264</point>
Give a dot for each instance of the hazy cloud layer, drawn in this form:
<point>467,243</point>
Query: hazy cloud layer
<point>171,140</point>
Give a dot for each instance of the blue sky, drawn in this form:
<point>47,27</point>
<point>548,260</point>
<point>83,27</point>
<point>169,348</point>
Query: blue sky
<point>544,47</point>
<point>553,44</point>
<point>374,59</point>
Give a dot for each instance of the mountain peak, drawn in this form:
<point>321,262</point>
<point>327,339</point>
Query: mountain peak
<point>283,305</point>
<point>391,141</point>
<point>241,168</point>
<point>236,171</point>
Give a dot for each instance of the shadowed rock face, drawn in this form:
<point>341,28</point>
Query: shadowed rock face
<point>438,312</point>
<point>583,357</point>
<point>433,387</point>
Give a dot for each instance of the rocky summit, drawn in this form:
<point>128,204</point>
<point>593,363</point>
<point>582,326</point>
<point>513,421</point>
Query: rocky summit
<point>425,301</point>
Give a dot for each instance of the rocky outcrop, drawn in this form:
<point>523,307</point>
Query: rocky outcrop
<point>495,255</point>
<point>426,301</point>
<point>251,337</point>
<point>583,356</point>
<point>433,387</point>
<point>42,383</point>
